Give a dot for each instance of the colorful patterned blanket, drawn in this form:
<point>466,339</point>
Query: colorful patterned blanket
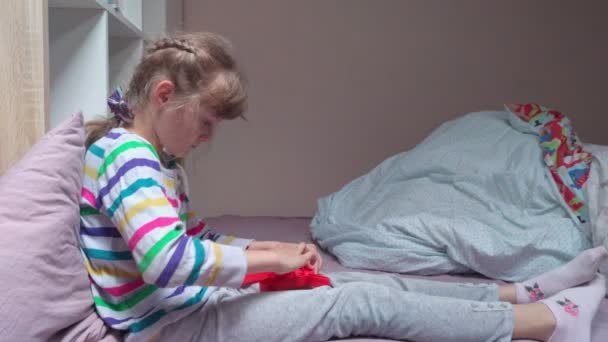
<point>563,153</point>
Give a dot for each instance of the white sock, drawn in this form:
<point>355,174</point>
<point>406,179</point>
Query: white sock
<point>578,271</point>
<point>574,310</point>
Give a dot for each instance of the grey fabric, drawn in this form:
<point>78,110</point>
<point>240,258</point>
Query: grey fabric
<point>596,190</point>
<point>473,196</point>
<point>358,305</point>
<point>296,229</point>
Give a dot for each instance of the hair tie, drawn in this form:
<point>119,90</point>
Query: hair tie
<point>119,106</point>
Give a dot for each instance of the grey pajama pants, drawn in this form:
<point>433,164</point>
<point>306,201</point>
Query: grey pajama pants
<point>357,304</point>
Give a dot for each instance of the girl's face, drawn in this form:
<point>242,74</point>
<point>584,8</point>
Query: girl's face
<point>180,131</point>
<point>183,130</point>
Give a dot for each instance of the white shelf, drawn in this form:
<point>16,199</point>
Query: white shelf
<point>162,16</point>
<point>124,55</point>
<point>78,62</point>
<point>93,48</point>
<point>132,10</point>
<point>119,25</point>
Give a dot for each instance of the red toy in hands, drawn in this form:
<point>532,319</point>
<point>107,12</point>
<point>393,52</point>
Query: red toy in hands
<point>302,278</point>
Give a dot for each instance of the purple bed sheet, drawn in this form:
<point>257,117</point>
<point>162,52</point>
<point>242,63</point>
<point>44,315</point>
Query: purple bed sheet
<point>297,229</point>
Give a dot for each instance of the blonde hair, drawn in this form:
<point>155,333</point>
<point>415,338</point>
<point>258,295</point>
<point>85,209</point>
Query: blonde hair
<point>201,68</point>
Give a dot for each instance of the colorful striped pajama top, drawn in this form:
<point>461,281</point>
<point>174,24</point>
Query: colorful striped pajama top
<point>150,263</point>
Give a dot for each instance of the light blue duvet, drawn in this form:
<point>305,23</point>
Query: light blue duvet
<point>475,196</point>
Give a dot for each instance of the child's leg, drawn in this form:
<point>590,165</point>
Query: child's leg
<point>352,309</point>
<point>478,292</point>
<point>578,271</point>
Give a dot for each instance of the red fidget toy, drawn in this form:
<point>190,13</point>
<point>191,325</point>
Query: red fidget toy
<point>303,278</point>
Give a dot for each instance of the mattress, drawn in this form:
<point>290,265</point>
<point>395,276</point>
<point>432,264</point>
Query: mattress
<point>296,229</point>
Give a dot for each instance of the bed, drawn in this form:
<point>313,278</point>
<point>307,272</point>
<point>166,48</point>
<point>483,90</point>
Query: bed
<point>46,290</point>
<point>297,229</point>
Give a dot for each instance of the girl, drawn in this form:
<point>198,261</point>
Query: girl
<point>156,272</point>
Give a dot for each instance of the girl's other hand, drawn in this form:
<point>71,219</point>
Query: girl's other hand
<point>284,258</point>
<point>316,261</point>
<point>290,251</point>
<point>291,257</point>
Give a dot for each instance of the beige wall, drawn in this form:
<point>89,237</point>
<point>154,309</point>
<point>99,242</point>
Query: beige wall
<point>336,86</point>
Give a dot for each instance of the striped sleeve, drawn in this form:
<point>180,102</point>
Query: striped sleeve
<point>132,195</point>
<point>202,230</point>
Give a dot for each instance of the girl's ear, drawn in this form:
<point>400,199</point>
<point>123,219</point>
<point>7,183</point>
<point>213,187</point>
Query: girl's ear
<point>162,92</point>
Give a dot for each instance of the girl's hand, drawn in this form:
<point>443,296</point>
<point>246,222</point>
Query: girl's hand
<point>292,256</point>
<point>316,261</point>
<point>284,258</point>
<point>262,245</point>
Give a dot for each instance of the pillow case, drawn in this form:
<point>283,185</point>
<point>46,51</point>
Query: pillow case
<point>45,288</point>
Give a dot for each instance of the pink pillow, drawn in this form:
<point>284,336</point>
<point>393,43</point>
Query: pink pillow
<point>45,292</point>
